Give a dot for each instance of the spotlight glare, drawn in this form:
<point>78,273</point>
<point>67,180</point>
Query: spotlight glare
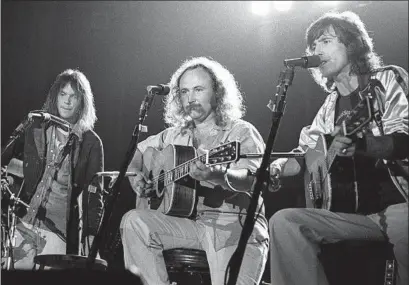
<point>260,7</point>
<point>330,3</point>
<point>282,6</point>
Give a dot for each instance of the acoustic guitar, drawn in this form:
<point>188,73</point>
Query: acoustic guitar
<point>169,171</point>
<point>329,180</point>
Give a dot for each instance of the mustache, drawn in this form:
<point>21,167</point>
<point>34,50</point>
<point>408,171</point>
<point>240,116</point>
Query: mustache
<point>192,106</point>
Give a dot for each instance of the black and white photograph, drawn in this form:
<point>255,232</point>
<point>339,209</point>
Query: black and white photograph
<point>204,142</point>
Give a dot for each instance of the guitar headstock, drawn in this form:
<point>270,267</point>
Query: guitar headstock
<point>225,153</point>
<point>358,118</point>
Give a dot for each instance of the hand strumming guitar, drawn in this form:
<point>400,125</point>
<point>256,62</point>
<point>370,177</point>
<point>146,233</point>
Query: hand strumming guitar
<point>344,146</point>
<point>141,185</point>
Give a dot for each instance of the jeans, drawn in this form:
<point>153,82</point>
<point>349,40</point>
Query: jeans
<point>146,233</point>
<point>31,241</point>
<point>296,235</point>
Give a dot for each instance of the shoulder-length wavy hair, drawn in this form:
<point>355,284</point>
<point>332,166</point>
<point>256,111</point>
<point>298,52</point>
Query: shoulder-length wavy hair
<point>86,115</point>
<point>229,99</point>
<point>350,31</point>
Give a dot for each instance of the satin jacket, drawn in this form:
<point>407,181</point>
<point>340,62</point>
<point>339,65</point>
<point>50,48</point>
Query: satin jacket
<point>390,101</point>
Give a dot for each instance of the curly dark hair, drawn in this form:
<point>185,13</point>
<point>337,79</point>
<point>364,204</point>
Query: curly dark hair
<point>350,31</point>
<point>86,116</point>
<point>229,99</point>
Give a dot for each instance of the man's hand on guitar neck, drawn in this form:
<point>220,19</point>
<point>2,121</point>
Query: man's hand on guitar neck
<point>202,172</point>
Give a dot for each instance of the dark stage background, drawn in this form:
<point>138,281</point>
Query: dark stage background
<point>124,46</point>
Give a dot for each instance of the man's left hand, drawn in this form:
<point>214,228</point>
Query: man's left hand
<point>202,172</point>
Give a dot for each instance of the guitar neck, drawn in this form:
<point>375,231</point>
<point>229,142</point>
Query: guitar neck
<point>222,154</point>
<point>183,169</point>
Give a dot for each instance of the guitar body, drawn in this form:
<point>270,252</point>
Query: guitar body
<point>175,198</point>
<point>169,171</point>
<point>333,189</point>
<point>330,180</point>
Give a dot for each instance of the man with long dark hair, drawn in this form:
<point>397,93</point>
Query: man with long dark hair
<point>351,72</point>
<point>59,163</point>
<point>204,110</point>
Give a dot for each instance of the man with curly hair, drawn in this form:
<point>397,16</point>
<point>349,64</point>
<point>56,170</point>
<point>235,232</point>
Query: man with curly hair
<point>350,71</point>
<point>203,110</point>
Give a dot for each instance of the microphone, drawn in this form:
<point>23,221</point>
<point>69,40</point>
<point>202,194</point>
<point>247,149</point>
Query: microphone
<point>161,89</point>
<point>46,117</point>
<point>113,174</point>
<point>304,62</point>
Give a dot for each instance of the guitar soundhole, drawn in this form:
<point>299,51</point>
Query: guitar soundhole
<point>161,184</point>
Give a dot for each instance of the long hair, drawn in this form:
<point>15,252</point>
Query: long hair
<point>351,32</point>
<point>229,100</point>
<point>85,116</point>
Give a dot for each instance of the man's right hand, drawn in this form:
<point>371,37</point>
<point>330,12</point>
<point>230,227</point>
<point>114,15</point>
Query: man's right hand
<point>141,184</point>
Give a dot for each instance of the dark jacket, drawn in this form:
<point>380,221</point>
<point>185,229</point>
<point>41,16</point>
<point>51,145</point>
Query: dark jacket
<point>32,146</point>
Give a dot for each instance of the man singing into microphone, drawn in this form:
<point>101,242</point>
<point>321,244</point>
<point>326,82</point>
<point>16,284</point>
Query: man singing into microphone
<point>204,110</point>
<point>58,167</point>
<point>376,155</point>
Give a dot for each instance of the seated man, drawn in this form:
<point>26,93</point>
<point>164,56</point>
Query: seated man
<point>370,161</point>
<point>204,109</point>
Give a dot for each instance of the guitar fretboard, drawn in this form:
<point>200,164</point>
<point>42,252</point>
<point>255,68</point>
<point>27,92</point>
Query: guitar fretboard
<point>180,171</point>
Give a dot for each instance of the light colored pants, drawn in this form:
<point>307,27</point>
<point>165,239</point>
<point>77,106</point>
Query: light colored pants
<point>146,233</point>
<point>296,235</point>
<point>31,241</point>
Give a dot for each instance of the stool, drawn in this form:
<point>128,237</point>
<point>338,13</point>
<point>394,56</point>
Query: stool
<point>187,266</point>
<point>358,262</point>
<point>67,261</point>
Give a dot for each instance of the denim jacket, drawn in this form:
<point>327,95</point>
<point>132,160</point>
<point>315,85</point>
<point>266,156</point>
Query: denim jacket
<point>87,158</point>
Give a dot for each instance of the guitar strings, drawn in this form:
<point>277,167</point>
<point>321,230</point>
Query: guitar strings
<point>161,177</point>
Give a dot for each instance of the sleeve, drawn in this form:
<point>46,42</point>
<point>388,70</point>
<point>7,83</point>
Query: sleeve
<point>394,98</point>
<point>94,190</point>
<point>251,141</point>
<point>309,134</point>
<point>156,141</point>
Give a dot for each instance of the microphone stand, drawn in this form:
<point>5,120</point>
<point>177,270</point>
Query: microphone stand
<point>10,240</point>
<point>278,108</point>
<point>23,127</point>
<point>5,155</point>
<point>96,244</point>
